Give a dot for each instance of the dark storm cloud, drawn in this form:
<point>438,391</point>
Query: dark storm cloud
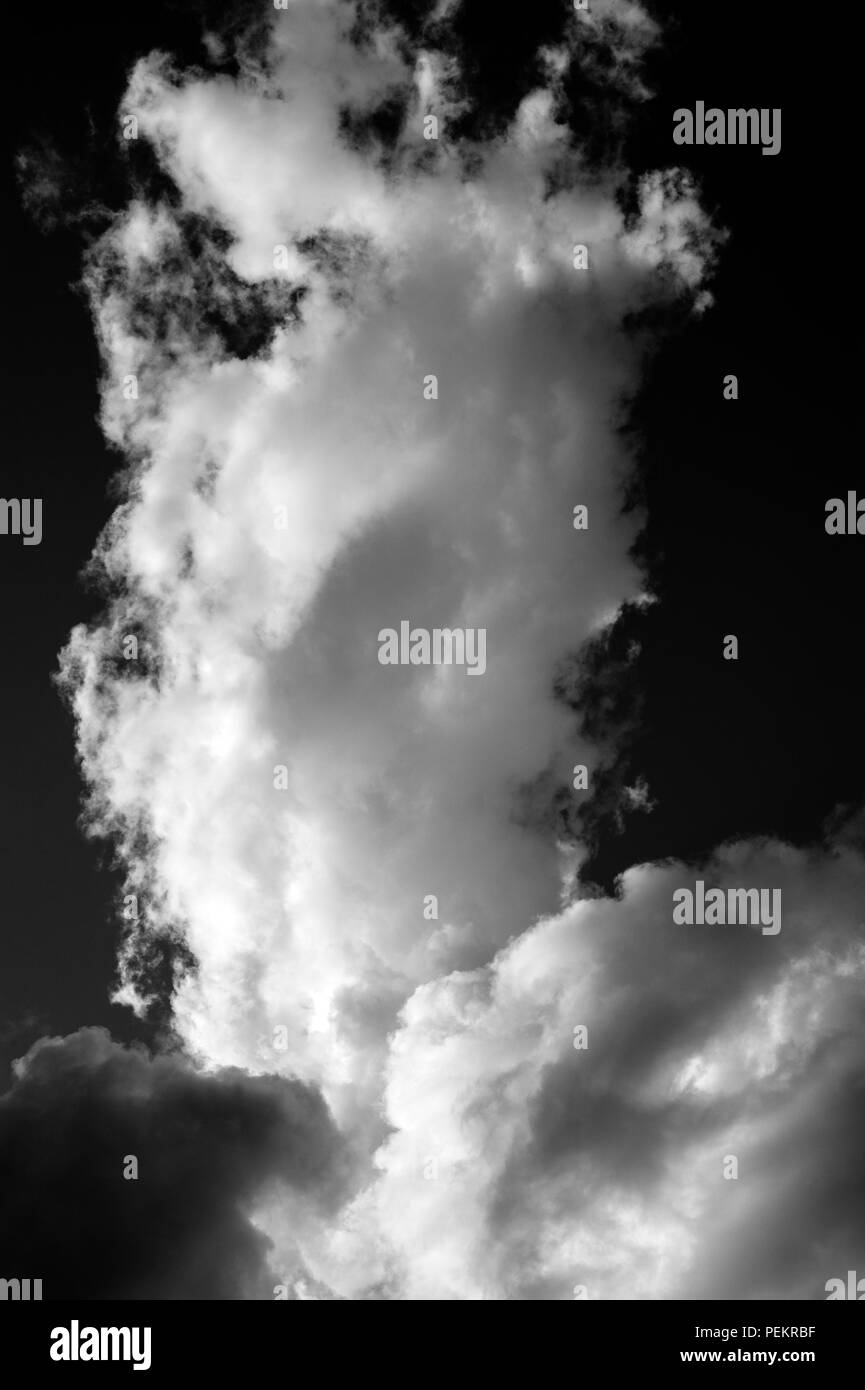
<point>207,1146</point>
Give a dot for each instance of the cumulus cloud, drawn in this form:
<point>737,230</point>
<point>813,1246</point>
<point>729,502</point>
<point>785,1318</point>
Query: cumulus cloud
<point>291,490</point>
<point>286,506</point>
<point>522,1165</point>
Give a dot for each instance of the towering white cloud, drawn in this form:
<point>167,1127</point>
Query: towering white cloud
<point>282,508</point>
